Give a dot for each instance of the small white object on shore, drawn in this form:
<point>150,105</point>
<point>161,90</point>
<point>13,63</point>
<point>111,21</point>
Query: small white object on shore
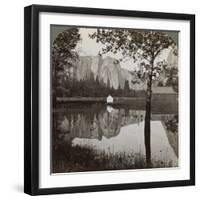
<point>109,99</point>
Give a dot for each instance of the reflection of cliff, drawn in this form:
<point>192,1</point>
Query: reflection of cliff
<point>100,124</point>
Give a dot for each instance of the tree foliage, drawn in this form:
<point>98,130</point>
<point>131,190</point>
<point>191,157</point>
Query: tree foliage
<point>144,47</point>
<point>91,87</point>
<point>140,45</point>
<point>63,51</point>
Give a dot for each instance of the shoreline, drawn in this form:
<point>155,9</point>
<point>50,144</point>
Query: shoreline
<point>99,99</point>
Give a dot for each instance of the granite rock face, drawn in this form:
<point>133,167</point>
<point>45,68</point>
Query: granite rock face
<point>107,70</point>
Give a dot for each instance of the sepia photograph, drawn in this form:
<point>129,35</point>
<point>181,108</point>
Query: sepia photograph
<point>109,99</point>
<point>114,99</point>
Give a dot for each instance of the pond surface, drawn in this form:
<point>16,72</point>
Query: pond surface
<point>93,137</point>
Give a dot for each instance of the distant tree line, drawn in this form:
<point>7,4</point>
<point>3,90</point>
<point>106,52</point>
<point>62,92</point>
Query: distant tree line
<point>92,87</point>
<point>172,78</point>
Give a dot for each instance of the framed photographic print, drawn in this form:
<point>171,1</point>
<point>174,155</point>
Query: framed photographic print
<point>109,100</point>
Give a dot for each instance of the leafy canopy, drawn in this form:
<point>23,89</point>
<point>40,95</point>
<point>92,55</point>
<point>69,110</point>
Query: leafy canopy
<point>63,48</point>
<point>140,45</point>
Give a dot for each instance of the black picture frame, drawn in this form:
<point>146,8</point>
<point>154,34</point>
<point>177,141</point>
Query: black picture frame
<point>31,98</point>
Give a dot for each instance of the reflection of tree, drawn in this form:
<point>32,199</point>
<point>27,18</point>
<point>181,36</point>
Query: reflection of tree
<point>171,126</point>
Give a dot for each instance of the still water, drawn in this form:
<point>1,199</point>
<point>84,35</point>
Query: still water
<point>92,137</point>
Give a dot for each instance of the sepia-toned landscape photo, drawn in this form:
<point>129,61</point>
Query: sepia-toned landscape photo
<point>114,99</point>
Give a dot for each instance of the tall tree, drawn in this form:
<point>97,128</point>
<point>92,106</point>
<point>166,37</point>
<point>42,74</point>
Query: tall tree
<point>144,47</point>
<point>126,88</point>
<point>64,54</point>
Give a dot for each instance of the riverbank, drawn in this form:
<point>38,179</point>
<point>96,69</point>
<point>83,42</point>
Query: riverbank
<point>82,159</point>
<point>164,106</point>
<point>99,99</point>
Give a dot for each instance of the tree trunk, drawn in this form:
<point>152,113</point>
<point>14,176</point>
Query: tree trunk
<point>147,126</point>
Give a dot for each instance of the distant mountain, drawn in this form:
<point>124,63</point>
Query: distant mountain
<point>107,70</point>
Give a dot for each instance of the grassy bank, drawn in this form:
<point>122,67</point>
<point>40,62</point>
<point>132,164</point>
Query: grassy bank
<point>81,159</point>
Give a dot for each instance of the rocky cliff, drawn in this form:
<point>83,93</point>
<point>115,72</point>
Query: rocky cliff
<point>107,70</point>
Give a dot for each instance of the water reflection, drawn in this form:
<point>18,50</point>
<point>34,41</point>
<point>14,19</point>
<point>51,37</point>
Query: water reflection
<point>100,137</point>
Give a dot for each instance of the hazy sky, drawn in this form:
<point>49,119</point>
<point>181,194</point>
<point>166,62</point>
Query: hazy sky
<point>89,47</point>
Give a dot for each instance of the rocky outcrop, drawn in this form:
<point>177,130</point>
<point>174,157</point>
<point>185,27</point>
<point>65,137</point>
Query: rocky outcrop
<point>107,70</point>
